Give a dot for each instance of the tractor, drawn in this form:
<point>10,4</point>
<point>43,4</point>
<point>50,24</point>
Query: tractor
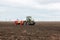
<point>28,21</point>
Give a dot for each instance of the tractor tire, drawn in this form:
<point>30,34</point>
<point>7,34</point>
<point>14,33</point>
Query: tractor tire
<point>32,23</point>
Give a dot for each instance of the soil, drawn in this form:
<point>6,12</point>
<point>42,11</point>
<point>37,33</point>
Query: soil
<point>39,31</point>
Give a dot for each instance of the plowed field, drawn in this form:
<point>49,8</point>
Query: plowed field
<point>39,31</point>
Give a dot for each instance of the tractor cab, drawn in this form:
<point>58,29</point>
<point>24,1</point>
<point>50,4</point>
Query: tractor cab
<point>30,20</point>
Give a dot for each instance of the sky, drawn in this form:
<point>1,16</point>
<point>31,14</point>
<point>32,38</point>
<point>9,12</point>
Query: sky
<point>40,10</point>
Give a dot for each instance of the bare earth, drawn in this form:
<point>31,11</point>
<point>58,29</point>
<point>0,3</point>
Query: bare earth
<point>40,31</point>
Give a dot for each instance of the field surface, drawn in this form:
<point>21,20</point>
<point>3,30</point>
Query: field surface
<point>39,31</point>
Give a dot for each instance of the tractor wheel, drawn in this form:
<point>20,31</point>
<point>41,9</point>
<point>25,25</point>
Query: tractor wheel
<point>32,23</point>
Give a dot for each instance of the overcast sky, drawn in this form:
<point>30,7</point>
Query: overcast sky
<point>43,10</point>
